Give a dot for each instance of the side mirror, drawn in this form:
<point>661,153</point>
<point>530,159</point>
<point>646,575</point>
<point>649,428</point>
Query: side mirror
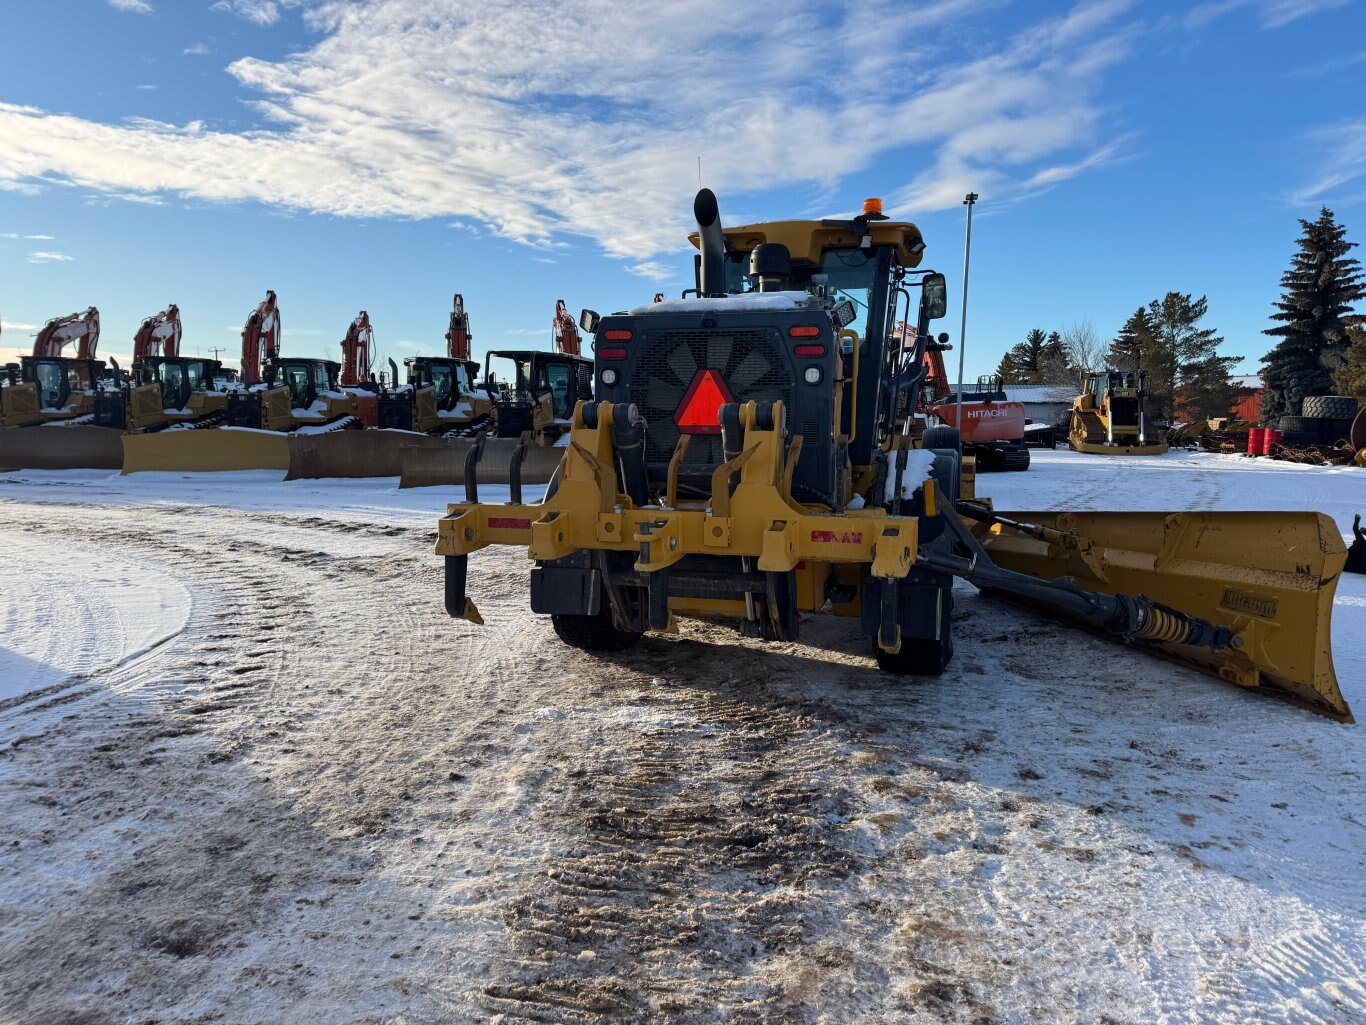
<point>934,297</point>
<point>588,320</point>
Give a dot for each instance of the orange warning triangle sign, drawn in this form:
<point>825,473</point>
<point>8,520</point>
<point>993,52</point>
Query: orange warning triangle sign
<point>697,413</point>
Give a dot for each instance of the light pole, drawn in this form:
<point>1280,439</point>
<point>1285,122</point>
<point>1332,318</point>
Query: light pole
<point>969,200</point>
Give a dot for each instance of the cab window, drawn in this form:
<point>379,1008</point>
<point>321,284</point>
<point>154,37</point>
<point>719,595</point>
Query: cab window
<point>560,379</point>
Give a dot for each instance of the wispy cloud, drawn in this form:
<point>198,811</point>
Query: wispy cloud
<point>136,6</point>
<point>1330,66</point>
<point>147,88</point>
<point>14,325</point>
<point>197,50</point>
<point>35,238</point>
<point>499,115</point>
<point>259,12</point>
<point>49,257</point>
<point>1271,13</point>
<point>1341,165</point>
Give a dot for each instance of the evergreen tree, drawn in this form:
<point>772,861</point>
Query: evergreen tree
<point>1021,364</point>
<point>1181,358</point>
<point>1054,364</point>
<point>1134,346</point>
<point>1350,379</point>
<point>1313,316</point>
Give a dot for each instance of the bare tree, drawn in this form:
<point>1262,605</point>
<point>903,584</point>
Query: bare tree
<point>1085,351</point>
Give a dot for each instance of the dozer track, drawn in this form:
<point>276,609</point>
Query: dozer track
<point>1093,427</point>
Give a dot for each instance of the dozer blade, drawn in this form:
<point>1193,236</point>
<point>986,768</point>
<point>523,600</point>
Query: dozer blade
<point>60,448</point>
<point>445,464</point>
<point>205,450</point>
<point>1268,577</point>
<point>352,453</point>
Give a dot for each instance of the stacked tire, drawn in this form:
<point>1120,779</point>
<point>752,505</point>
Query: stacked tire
<point>1323,420</point>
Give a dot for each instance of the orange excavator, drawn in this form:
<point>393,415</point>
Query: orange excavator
<point>440,397</point>
<point>356,352</point>
<point>993,427</point>
<point>48,387</point>
<point>159,335</point>
<point>163,389</point>
<point>260,339</point>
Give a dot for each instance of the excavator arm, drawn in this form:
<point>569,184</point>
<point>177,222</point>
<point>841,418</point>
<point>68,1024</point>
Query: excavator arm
<point>260,339</point>
<point>159,335</point>
<point>566,332</point>
<point>356,348</point>
<point>458,336</point>
<point>58,333</point>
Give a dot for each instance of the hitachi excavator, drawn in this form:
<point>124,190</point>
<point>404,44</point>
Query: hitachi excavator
<point>993,427</point>
<point>279,395</point>
<point>48,389</point>
<point>1110,416</point>
<point>163,389</point>
<point>750,456</point>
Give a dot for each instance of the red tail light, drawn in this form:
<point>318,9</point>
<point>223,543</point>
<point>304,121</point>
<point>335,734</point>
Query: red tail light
<point>804,331</point>
<point>810,350</point>
<point>617,335</point>
<point>612,353</point>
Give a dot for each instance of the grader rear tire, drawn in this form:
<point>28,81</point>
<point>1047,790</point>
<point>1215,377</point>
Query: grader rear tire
<point>593,633</point>
<point>917,657</point>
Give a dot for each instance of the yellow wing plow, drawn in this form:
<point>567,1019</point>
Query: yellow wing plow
<point>1264,581</point>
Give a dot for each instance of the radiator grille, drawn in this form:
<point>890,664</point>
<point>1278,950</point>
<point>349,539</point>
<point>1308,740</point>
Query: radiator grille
<point>752,362</point>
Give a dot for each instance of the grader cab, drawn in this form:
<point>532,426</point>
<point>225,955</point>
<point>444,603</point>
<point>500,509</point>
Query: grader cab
<point>752,455</point>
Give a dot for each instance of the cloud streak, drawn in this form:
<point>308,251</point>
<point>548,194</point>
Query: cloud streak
<point>1342,167</point>
<point>500,115</point>
<point>44,256</point>
<point>133,6</point>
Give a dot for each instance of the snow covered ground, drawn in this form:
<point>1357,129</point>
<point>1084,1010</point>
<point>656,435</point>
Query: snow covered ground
<point>252,773</point>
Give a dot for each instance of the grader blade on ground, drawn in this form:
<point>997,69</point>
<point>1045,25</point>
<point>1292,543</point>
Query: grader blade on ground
<point>1268,578</point>
<point>429,467</point>
<point>81,447</point>
<point>206,450</point>
<point>352,453</point>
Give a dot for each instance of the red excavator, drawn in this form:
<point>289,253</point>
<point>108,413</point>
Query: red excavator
<point>47,386</point>
<point>992,428</point>
<point>260,339</point>
<point>159,335</point>
<point>356,352</point>
<point>565,331</point>
<point>163,389</point>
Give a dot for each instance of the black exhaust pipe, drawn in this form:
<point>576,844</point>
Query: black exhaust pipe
<point>711,243</point>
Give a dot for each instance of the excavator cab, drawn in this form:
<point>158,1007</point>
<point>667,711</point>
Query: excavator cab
<point>41,389</point>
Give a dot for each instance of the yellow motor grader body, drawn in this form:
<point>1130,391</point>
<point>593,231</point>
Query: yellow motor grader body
<point>750,457</point>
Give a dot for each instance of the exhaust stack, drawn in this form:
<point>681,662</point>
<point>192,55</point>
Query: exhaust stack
<point>711,243</point>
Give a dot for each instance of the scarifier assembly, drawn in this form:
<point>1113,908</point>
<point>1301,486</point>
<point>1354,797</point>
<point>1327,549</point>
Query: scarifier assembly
<point>753,455</point>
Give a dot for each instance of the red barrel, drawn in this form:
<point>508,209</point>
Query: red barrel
<point>1256,441</point>
<point>1273,437</point>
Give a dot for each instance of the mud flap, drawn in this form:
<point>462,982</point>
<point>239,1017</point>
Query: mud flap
<point>424,466</point>
<point>1267,577</point>
<point>61,448</point>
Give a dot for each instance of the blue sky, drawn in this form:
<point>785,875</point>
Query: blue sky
<point>385,154</point>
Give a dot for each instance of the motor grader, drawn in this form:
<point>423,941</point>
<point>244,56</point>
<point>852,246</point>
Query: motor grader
<point>751,456</point>
<point>1110,416</point>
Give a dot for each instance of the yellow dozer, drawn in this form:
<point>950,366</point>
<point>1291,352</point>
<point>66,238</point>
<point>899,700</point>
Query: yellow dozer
<point>1110,416</point>
<point>47,421</point>
<point>297,397</point>
<point>752,457</point>
<point>532,395</point>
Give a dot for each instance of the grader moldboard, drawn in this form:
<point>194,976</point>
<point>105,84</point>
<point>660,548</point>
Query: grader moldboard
<point>752,455</point>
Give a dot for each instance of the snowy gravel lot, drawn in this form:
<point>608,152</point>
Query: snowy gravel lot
<point>250,772</point>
